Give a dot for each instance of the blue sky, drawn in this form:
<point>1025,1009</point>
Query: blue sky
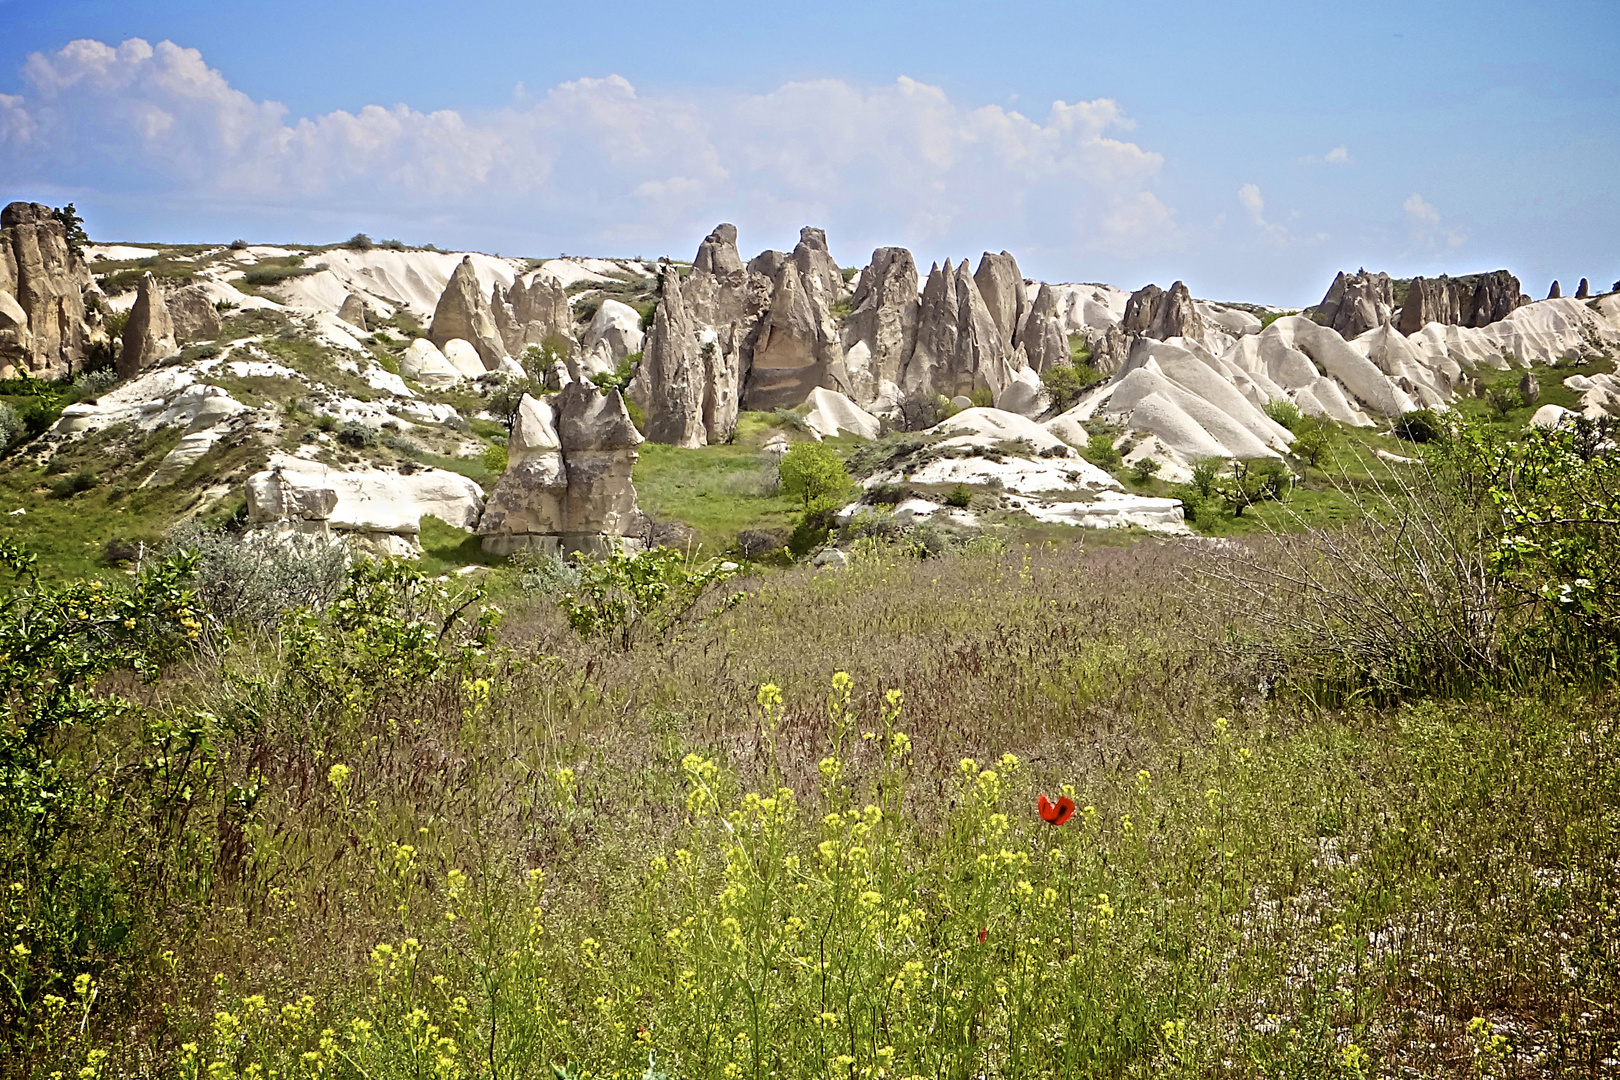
<point>1248,149</point>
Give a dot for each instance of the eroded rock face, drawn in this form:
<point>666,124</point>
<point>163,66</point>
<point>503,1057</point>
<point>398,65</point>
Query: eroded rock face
<point>1475,301</point>
<point>353,311</point>
<point>1583,290</point>
<point>539,310</point>
<point>464,313</point>
<point>1001,284</point>
<point>716,290</point>
<point>42,327</point>
<point>1153,312</point>
<point>193,314</point>
<point>427,365</point>
<point>1356,303</point>
<point>1041,335</point>
<point>796,345</point>
<point>671,379</point>
<point>1556,291</point>
<point>567,485</point>
<point>149,334</point>
<point>881,331</point>
<point>959,347</point>
<point>615,332</point>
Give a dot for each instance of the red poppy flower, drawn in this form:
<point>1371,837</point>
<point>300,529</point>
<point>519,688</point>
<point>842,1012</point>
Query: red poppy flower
<point>984,934</point>
<point>1056,813</point>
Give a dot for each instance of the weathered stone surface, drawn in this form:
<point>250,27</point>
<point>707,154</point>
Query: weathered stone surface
<point>464,313</point>
<point>1041,334</point>
<point>1001,284</point>
<point>1110,350</point>
<point>463,358</point>
<point>427,365</point>
<point>353,311</point>
<point>881,331</point>
<point>615,332</point>
<point>670,382</point>
<point>1355,303</point>
<point>959,346</point>
<point>1583,290</point>
<point>796,346</point>
<point>149,334</point>
<point>832,414</point>
<point>567,485</point>
<point>193,314</point>
<point>1530,388</point>
<point>1478,300</point>
<point>46,282</point>
<point>1153,312</point>
<point>540,308</point>
<point>716,290</point>
<point>721,383</point>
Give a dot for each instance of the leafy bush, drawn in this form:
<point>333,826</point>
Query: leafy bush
<point>256,577</point>
<point>1501,400</point>
<point>1420,426</point>
<point>92,384</point>
<point>359,242</point>
<point>1313,438</point>
<point>1144,469</point>
<point>494,458</point>
<point>960,496</point>
<point>813,474</point>
<point>626,597</point>
<point>1285,412</point>
<point>11,424</point>
<point>1100,451</point>
<point>1253,481</point>
<point>550,575</point>
<point>355,434</point>
<point>1205,473</point>
<point>79,482</point>
<point>982,398</point>
<point>619,378</point>
<point>1066,382</point>
<point>752,543</point>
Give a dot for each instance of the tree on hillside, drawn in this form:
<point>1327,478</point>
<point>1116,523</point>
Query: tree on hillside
<point>813,473</point>
<point>73,225</point>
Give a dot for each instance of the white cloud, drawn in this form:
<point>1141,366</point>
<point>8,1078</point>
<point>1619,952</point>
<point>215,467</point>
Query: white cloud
<point>1275,235</point>
<point>1424,221</point>
<point>1339,155</point>
<point>594,158</point>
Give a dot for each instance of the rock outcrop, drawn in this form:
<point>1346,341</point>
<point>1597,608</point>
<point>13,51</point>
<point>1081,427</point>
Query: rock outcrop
<point>1153,312</point>
<point>1583,290</point>
<point>959,347</point>
<point>716,290</point>
<point>464,313</point>
<point>193,314</point>
<point>353,311</point>
<point>374,508</point>
<point>1530,388</point>
<point>670,383</point>
<point>42,283</point>
<point>615,332</point>
<point>1556,291</point>
<point>1476,300</point>
<point>1001,284</point>
<point>149,333</point>
<point>539,309</point>
<point>1041,335</point>
<point>1356,303</point>
<point>427,365</point>
<point>832,414</point>
<point>567,485</point>
<point>796,346</point>
<point>881,331</point>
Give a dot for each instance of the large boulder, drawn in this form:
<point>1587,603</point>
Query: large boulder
<point>567,485</point>
<point>149,334</point>
<point>796,345</point>
<point>881,330</point>
<point>424,362</point>
<point>1356,303</point>
<point>832,414</point>
<point>193,314</point>
<point>1001,284</point>
<point>45,282</point>
<point>464,313</point>
<point>353,311</point>
<point>1476,300</point>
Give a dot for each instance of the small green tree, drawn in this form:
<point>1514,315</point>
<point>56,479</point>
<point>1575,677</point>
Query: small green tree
<point>1313,437</point>
<point>625,597</point>
<point>1100,450</point>
<point>73,226</point>
<point>1254,481</point>
<point>813,473</point>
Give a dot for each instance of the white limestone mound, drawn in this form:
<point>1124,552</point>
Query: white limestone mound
<point>427,365</point>
<point>387,280</point>
<point>1024,395</point>
<point>378,508</point>
<point>463,358</point>
<point>1551,416</point>
<point>1111,509</point>
<point>833,414</point>
<point>1001,449</point>
<point>1600,394</point>
<point>615,332</point>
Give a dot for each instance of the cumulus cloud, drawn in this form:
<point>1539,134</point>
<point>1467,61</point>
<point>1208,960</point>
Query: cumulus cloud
<point>1255,204</point>
<point>595,159</point>
<point>1339,155</point>
<point>1424,222</point>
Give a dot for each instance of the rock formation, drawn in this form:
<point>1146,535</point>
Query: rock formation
<point>1041,335</point>
<point>193,314</point>
<point>42,283</point>
<point>832,414</point>
<point>462,312</point>
<point>615,332</point>
<point>567,485</point>
<point>670,382</point>
<point>716,290</point>
<point>1556,291</point>
<point>881,331</point>
<point>796,346</point>
<point>539,309</point>
<point>427,365</point>
<point>1530,388</point>
<point>1477,300</point>
<point>959,347</point>
<point>1001,284</point>
<point>1155,313</point>
<point>353,311</point>
<point>1356,303</point>
<point>1583,290</point>
<point>149,333</point>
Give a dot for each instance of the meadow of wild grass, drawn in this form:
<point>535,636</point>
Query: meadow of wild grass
<point>410,836</point>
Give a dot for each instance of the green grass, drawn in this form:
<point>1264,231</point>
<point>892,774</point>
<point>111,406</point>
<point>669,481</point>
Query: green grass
<point>447,548</point>
<point>717,490</point>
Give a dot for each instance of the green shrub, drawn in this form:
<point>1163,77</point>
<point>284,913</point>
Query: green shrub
<point>1253,481</point>
<point>626,597</point>
<point>960,496</point>
<point>355,434</point>
<point>255,578</point>
<point>494,458</point>
<point>359,242</point>
<point>1420,426</point>
<point>1285,412</point>
<point>1144,469</point>
<point>11,424</point>
<point>1100,451</point>
<point>813,473</point>
<point>1501,400</point>
<point>982,398</point>
<point>69,486</point>
<point>1313,438</point>
<point>1205,473</point>
<point>92,384</point>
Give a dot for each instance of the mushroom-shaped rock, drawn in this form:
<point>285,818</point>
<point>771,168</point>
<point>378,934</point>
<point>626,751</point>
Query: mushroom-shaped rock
<point>149,333</point>
<point>463,312</point>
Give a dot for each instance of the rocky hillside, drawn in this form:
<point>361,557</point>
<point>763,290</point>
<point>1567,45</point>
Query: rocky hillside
<point>360,389</point>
